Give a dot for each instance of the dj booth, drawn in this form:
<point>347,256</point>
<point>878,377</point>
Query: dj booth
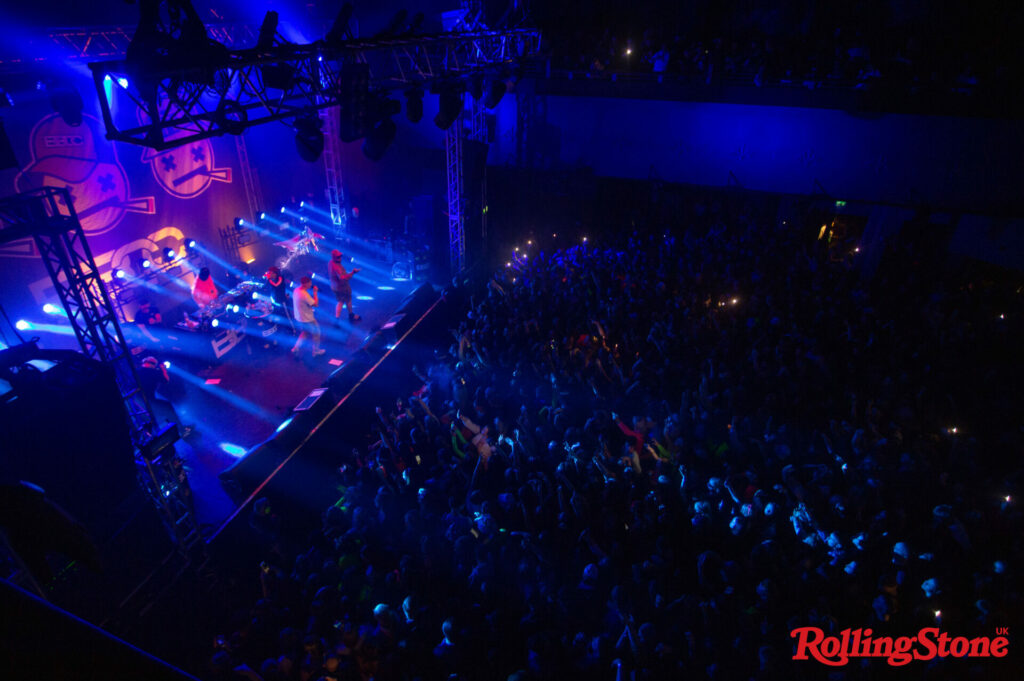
<point>240,317</point>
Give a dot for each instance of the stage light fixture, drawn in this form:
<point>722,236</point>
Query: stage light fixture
<point>123,82</point>
<point>22,325</point>
<point>476,86</point>
<point>414,105</point>
<point>302,204</point>
<point>309,138</point>
<point>167,365</point>
<point>50,308</point>
<point>263,216</point>
<point>170,255</point>
<point>340,31</point>
<point>449,108</point>
<point>282,209</point>
<point>379,139</point>
<point>495,92</point>
<point>268,31</point>
<point>146,264</point>
<point>119,274</point>
<point>215,323</point>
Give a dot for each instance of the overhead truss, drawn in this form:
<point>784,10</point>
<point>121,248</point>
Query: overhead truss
<point>250,87</point>
<point>105,42</point>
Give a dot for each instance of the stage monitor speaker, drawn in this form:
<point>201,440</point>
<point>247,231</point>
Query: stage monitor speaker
<point>246,474</point>
<point>344,378</point>
<point>374,346</point>
<point>417,302</point>
<point>412,308</point>
<point>7,157</point>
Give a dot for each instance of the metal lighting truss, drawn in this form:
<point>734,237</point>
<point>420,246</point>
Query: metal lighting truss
<point>183,104</point>
<point>47,216</point>
<point>101,42</point>
<point>470,125</point>
<point>332,169</point>
<point>456,221</point>
<point>253,190</point>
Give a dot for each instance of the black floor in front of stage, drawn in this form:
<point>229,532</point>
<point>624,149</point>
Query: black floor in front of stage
<point>240,401</point>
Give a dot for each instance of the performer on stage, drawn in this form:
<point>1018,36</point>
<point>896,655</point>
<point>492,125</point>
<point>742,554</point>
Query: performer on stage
<point>305,299</point>
<point>279,293</point>
<point>153,380</point>
<point>204,291</point>
<point>341,285</point>
<point>148,318</point>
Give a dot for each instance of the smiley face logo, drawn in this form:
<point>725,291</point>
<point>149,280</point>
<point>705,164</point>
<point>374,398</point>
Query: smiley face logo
<point>186,171</point>
<point>83,162</point>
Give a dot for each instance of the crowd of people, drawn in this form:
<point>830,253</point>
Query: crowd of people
<point>863,45</point>
<point>654,459</point>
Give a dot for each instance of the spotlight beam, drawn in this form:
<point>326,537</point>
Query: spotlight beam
<point>224,395</point>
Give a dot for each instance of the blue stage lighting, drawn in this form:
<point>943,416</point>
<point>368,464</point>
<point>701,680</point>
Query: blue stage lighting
<point>385,288</point>
<point>263,216</point>
<point>119,273</point>
<point>191,243</point>
<point>284,424</point>
<point>233,449</point>
<point>302,204</point>
<point>215,323</point>
<point>146,263</point>
<point>239,222</point>
<point>282,209</point>
<point>255,296</point>
<point>167,365</point>
<point>50,308</point>
<point>123,82</point>
<point>170,254</point>
<point>22,325</point>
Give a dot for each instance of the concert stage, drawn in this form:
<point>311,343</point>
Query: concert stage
<point>241,400</point>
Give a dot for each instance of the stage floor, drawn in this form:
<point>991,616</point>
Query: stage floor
<point>242,400</point>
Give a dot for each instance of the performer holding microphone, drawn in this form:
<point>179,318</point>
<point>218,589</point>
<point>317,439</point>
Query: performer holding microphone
<point>279,293</point>
<point>305,299</point>
<point>341,285</point>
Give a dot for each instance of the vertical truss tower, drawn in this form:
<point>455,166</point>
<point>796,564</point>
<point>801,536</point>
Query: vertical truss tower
<point>47,216</point>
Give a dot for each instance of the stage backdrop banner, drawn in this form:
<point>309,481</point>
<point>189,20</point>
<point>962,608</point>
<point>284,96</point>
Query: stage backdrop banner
<point>133,204</point>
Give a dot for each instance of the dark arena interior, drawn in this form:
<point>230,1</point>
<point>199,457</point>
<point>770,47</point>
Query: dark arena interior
<point>511,340</point>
